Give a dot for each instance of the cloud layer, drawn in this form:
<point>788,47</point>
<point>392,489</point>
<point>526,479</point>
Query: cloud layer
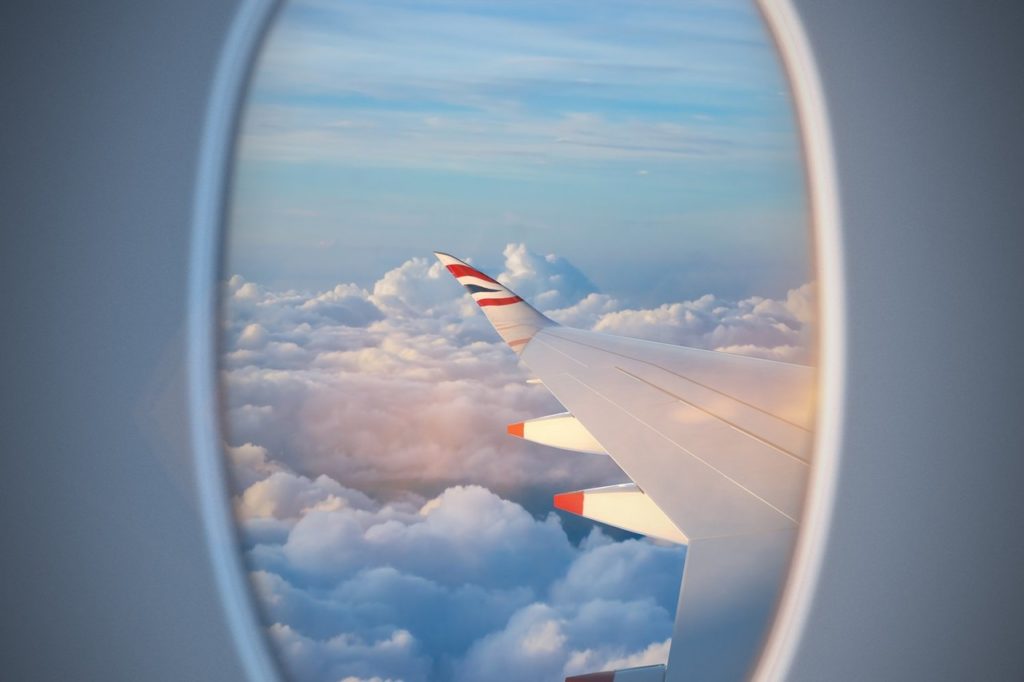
<point>392,528</point>
<point>368,385</point>
<point>463,586</point>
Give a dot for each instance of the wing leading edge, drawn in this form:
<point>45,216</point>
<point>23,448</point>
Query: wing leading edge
<point>717,448</point>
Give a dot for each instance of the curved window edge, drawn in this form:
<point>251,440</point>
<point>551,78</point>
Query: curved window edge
<point>235,62</point>
<point>787,30</point>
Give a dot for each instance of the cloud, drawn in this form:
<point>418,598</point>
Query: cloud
<point>249,463</point>
<point>253,337</point>
<point>349,656</point>
<point>345,304</point>
<point>284,495</point>
<point>547,281</point>
<point>354,587</point>
<point>465,535</point>
<point>582,662</point>
<point>585,313</point>
<point>420,287</point>
<point>530,647</point>
<point>548,642</point>
<point>607,571</point>
<point>435,386</point>
<point>757,326</point>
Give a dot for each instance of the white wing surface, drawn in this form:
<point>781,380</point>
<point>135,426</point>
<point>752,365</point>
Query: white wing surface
<point>716,446</point>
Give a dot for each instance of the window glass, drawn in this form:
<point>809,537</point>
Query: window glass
<point>630,168</point>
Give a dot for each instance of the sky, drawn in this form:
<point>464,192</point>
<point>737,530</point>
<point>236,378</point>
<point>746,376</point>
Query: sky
<point>627,169</point>
<point>655,136</point>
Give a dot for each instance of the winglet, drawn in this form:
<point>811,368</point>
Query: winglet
<point>515,320</point>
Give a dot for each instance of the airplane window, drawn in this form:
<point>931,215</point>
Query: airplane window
<point>518,321</point>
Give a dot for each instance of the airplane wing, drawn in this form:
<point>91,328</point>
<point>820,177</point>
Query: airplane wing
<point>716,446</point>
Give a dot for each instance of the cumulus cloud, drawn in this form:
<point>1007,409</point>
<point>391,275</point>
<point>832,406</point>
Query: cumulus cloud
<point>547,281</point>
<point>585,313</point>
<point>253,337</point>
<point>756,326</point>
<point>418,288</point>
<point>284,495</point>
<point>337,657</point>
<point>417,381</point>
<point>370,385</point>
<point>463,586</point>
<point>249,464</point>
<point>345,304</point>
<point>380,497</point>
<point>588,660</point>
<point>466,535</point>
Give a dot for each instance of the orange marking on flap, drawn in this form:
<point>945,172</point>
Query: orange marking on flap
<point>570,502</point>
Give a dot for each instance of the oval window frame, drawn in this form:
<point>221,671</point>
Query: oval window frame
<point>237,58</point>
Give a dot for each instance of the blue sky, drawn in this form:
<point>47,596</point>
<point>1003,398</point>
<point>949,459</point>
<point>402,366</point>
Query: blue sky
<point>630,168</point>
<point>651,142</point>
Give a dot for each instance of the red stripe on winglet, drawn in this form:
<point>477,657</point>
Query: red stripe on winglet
<point>516,429</point>
<point>592,677</point>
<point>570,502</point>
<point>498,301</point>
<point>460,270</point>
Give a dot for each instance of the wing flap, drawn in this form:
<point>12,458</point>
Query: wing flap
<point>561,430</point>
<point>623,506</point>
